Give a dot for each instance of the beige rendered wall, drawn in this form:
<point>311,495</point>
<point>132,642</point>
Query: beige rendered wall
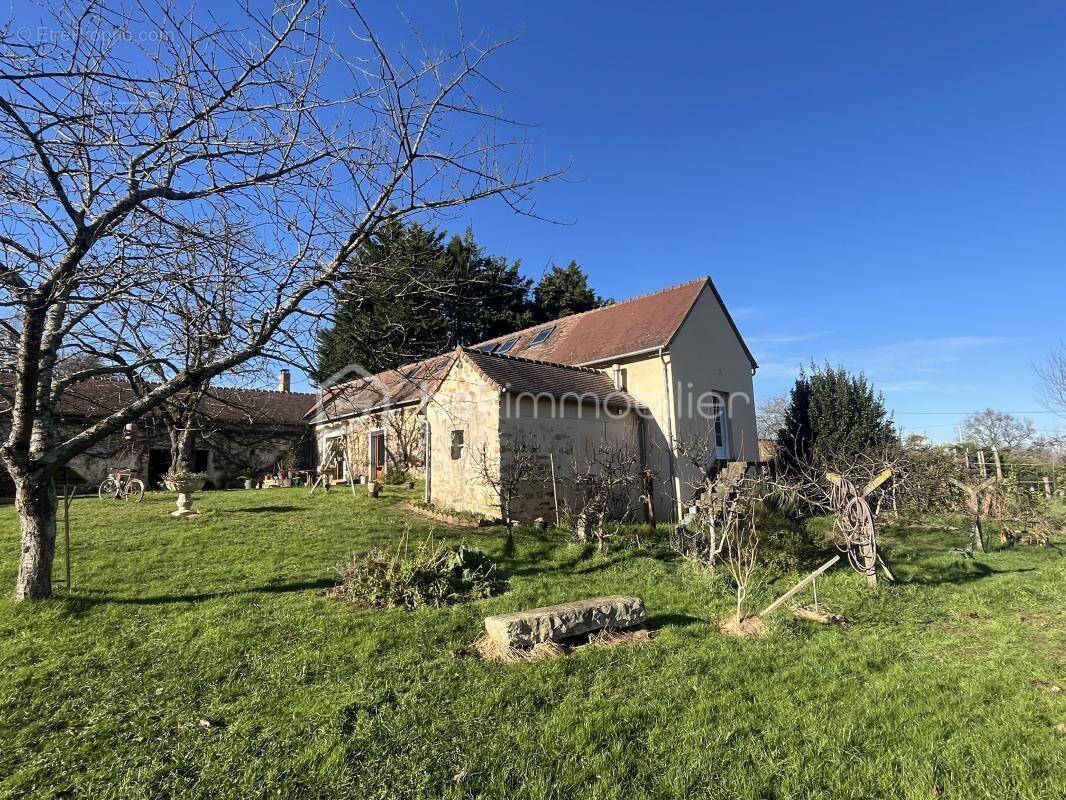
<point>706,357</point>
<point>464,401</point>
<point>643,377</point>
<point>563,434</point>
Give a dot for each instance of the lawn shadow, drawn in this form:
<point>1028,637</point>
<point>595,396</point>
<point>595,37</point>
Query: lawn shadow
<point>154,600</point>
<point>660,621</point>
<point>263,510</point>
<point>961,573</point>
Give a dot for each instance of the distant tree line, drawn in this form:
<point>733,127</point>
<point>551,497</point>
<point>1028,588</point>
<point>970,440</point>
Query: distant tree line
<point>411,293</point>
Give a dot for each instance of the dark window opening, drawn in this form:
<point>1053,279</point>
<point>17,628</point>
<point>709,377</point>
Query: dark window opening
<point>542,336</point>
<point>458,444</point>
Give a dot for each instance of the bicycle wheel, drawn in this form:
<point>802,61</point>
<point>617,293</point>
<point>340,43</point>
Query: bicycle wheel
<point>109,488</point>
<point>135,490</point>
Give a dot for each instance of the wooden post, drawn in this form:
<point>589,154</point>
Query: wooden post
<point>999,464</point>
<point>770,609</point>
<point>981,463</point>
<point>966,457</point>
<point>555,490</point>
<point>1047,486</point>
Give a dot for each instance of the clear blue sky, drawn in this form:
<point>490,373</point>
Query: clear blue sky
<point>880,186</point>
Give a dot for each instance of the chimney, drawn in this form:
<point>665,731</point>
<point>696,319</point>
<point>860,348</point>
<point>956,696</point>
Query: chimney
<point>284,381</point>
<point>616,369</point>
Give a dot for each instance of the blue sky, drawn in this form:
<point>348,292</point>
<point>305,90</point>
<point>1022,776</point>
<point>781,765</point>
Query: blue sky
<point>879,186</point>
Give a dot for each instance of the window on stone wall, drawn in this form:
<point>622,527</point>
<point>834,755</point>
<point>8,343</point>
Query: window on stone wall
<point>458,444</point>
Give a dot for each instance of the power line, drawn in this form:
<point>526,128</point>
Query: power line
<point>971,411</point>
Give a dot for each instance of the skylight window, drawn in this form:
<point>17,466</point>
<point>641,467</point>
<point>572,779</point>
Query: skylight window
<point>490,348</point>
<point>542,336</point>
<point>506,346</point>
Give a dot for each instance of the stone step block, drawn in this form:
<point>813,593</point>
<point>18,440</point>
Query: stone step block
<point>556,623</point>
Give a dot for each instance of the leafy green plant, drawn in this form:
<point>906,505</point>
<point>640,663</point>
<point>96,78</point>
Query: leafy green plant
<point>433,574</point>
<point>397,477</point>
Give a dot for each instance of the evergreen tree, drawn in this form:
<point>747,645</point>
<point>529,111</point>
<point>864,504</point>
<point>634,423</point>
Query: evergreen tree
<point>384,310</point>
<point>410,296</point>
<point>831,415</point>
<point>562,291</point>
<point>490,299</point>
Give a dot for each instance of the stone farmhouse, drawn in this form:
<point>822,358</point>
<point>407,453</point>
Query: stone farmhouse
<point>244,432</point>
<point>646,375</point>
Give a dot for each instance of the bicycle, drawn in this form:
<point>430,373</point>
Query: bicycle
<point>122,485</point>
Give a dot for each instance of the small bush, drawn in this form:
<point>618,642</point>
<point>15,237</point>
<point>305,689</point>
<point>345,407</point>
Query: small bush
<point>432,575</point>
<point>397,478</point>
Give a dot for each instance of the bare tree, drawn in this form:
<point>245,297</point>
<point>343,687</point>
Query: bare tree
<point>406,439</point>
<point>1052,374</point>
<point>517,468</point>
<point>770,416</point>
<point>740,533</point>
<point>131,131</point>
<point>602,482</point>
<point>991,428</point>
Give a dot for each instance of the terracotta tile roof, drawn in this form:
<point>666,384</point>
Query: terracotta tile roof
<point>517,375</point>
<point>411,383</point>
<point>631,326</point>
<point>100,397</point>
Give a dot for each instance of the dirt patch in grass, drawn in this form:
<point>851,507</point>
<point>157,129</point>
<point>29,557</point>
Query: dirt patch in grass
<point>751,625</point>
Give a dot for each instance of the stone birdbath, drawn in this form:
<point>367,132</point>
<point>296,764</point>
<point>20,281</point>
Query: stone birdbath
<point>185,484</point>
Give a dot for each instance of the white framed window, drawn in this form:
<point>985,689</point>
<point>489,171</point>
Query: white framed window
<point>720,420</point>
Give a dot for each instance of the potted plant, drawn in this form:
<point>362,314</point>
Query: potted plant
<point>185,483</point>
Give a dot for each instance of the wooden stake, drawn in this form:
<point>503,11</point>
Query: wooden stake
<point>770,609</point>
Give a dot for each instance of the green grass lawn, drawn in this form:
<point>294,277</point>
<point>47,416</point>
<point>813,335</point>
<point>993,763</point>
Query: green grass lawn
<point>941,686</point>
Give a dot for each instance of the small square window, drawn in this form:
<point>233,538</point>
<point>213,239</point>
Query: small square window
<point>542,336</point>
<point>458,444</point>
<point>506,346</point>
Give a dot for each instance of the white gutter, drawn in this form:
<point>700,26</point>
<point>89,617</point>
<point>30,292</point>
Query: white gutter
<point>621,356</point>
<point>674,481</point>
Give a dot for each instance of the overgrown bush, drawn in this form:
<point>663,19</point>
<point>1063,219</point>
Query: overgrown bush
<point>397,477</point>
<point>433,574</point>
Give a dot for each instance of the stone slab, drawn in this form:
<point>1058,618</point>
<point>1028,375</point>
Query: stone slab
<point>555,623</point>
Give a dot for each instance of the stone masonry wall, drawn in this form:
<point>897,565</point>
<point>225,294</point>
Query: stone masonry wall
<point>464,402</point>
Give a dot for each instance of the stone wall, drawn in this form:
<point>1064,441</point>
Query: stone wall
<point>405,440</point>
<point>230,451</point>
<point>468,403</point>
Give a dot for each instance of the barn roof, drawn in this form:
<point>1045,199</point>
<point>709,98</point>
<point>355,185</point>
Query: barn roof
<point>517,375</point>
<point>100,397</point>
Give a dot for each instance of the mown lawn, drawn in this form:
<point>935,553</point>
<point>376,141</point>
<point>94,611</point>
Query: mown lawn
<point>943,686</point>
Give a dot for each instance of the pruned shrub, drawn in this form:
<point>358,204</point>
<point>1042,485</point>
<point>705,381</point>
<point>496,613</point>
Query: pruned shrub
<point>433,574</point>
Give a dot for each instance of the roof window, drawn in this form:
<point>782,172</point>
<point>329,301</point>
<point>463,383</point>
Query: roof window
<point>510,343</point>
<point>542,335</point>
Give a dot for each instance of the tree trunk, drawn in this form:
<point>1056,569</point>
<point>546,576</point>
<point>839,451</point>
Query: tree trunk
<point>35,504</point>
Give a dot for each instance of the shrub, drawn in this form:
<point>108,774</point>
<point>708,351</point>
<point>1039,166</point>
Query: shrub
<point>432,575</point>
<point>397,477</point>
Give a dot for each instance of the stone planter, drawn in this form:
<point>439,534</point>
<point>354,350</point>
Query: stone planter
<point>185,487</point>
<point>249,483</point>
<point>373,488</point>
